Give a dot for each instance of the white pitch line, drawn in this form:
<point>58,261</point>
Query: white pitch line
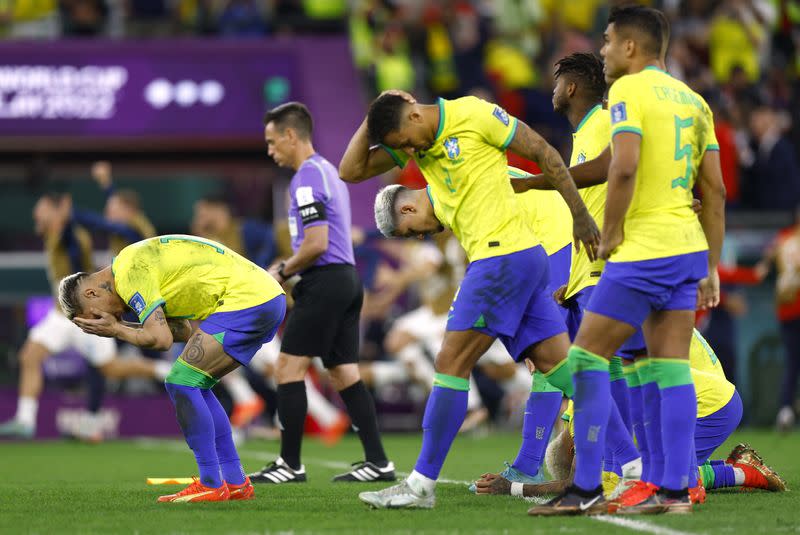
<point>271,456</point>
<point>638,525</point>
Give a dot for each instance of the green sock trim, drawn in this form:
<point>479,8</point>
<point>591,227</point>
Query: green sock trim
<point>183,373</point>
<point>586,361</point>
<point>449,381</point>
<point>631,375</point>
<point>671,372</point>
<point>615,372</point>
<point>707,475</point>
<point>560,376</point>
<point>541,384</point>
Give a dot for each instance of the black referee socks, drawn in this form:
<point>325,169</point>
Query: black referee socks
<point>361,409</point>
<point>292,408</point>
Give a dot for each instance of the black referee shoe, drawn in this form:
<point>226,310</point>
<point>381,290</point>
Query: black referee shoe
<point>278,472</point>
<point>366,471</point>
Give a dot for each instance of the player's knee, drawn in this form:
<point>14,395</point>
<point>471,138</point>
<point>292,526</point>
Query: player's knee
<point>291,369</point>
<point>455,365</point>
<point>344,376</point>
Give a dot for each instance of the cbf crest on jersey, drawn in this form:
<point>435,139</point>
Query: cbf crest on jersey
<point>618,113</point>
<point>501,114</point>
<point>452,148</point>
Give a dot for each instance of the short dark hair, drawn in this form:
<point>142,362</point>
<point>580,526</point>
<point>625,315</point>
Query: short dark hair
<point>215,198</point>
<point>129,197</point>
<point>665,31</point>
<point>54,197</point>
<point>292,115</point>
<point>586,70</point>
<point>645,20</point>
<point>384,116</point>
<point>68,295</point>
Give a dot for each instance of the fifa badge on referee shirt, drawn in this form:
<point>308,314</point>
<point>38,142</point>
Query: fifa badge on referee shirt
<point>452,148</point>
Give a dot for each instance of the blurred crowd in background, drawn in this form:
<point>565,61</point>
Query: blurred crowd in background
<point>743,56</point>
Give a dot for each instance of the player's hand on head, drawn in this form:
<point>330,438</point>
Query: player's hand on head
<point>708,291</point>
<point>102,324</point>
<point>408,97</point>
<point>585,231</point>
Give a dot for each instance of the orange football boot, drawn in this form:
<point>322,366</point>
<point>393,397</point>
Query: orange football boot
<point>637,492</point>
<point>197,492</point>
<point>245,491</point>
<point>244,413</point>
<point>697,494</point>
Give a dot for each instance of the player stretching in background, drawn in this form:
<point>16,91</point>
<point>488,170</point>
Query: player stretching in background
<point>168,280</point>
<point>654,267</point>
<point>460,147</point>
<point>68,247</point>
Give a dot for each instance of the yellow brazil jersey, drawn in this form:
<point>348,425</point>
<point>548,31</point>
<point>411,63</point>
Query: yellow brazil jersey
<point>713,389</point>
<point>547,213</point>
<point>191,277</point>
<point>141,224</point>
<point>676,127</point>
<point>467,171</point>
<point>589,140</point>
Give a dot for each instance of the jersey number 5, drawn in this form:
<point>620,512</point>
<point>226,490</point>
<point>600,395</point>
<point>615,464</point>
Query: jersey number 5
<point>682,152</point>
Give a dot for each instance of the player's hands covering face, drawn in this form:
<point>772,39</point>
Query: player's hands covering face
<point>103,324</point>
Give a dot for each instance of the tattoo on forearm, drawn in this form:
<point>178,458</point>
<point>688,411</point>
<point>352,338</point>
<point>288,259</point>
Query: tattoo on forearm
<point>159,315</point>
<point>194,352</point>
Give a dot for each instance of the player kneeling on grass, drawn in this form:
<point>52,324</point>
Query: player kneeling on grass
<point>719,410</point>
<point>168,280</point>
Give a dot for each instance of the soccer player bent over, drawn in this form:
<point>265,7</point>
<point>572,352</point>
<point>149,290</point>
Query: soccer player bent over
<point>460,147</point>
<point>168,280</point>
<point>663,142</point>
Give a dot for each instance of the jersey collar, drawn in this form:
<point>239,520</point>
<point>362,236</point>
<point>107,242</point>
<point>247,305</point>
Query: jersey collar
<point>586,117</point>
<point>654,68</point>
<point>440,129</point>
<point>430,197</point>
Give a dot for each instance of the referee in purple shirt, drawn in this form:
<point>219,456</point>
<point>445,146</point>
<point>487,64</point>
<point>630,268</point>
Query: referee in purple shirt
<point>327,302</point>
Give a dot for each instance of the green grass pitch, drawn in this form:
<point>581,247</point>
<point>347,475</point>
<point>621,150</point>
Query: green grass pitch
<point>65,487</point>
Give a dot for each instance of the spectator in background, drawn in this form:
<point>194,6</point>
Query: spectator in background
<point>242,18</point>
<point>29,19</point>
<point>83,18</point>
<point>773,177</point>
<point>148,18</point>
<point>738,32</point>
<point>787,257</point>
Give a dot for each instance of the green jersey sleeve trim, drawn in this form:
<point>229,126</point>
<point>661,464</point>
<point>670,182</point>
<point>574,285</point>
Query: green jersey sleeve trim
<point>440,129</point>
<point>587,116</point>
<point>400,163</point>
<point>510,137</point>
<point>149,310</point>
<point>629,129</point>
<point>712,147</point>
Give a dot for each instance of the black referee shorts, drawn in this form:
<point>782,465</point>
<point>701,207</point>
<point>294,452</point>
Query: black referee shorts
<point>325,318</point>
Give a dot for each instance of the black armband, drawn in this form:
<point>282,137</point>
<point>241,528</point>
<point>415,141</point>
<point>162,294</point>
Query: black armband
<point>310,213</point>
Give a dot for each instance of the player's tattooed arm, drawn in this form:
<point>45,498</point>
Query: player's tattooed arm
<point>586,174</point>
<point>181,329</point>
<point>529,144</point>
<point>154,333</point>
